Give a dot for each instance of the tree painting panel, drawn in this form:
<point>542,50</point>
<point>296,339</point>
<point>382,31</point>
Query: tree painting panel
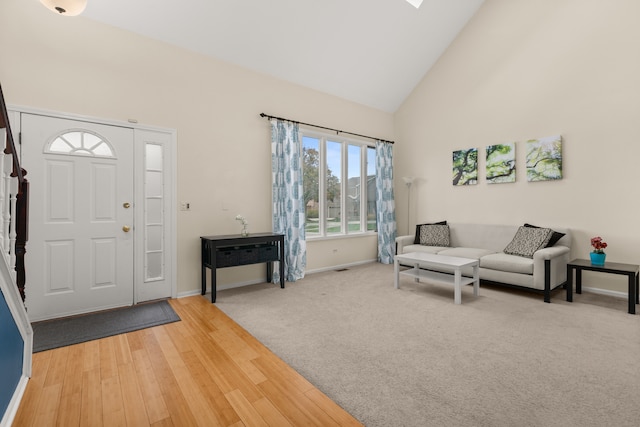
<point>465,167</point>
<point>501,163</point>
<point>544,159</point>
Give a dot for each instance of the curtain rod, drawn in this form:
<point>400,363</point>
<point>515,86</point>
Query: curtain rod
<point>337,131</point>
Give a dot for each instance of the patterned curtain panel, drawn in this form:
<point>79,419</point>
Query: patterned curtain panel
<point>385,204</point>
<point>288,198</point>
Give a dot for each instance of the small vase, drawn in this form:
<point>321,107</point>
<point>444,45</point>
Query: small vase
<point>597,258</point>
<point>245,231</point>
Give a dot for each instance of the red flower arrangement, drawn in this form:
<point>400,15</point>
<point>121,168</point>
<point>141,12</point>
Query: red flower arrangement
<point>598,245</point>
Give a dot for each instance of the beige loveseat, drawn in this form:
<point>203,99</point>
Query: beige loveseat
<point>543,272</point>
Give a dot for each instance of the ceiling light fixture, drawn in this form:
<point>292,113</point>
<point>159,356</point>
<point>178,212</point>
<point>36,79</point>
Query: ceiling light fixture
<point>65,7</point>
<point>415,3</point>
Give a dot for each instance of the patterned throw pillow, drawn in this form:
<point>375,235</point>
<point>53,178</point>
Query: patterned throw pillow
<point>554,237</point>
<point>416,239</point>
<point>434,235</point>
<point>528,240</point>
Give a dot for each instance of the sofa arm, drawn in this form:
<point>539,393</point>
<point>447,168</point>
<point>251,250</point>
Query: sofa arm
<point>402,241</point>
<point>550,253</point>
<point>557,257</point>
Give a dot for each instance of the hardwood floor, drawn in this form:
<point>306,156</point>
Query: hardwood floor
<point>202,371</point>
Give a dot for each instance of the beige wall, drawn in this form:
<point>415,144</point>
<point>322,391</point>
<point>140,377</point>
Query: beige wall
<point>524,69</point>
<point>76,65</point>
<point>520,69</point>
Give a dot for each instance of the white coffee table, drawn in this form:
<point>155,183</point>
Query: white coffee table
<point>421,260</point>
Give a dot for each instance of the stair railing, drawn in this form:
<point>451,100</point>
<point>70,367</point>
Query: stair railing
<point>14,203</point>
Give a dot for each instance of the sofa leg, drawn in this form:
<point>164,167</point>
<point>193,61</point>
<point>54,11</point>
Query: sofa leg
<point>547,280</point>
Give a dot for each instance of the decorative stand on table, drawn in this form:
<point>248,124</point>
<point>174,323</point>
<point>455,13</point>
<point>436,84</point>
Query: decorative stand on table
<point>233,250</point>
<point>632,271</point>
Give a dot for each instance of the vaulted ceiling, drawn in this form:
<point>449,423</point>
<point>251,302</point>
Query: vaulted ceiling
<point>373,52</point>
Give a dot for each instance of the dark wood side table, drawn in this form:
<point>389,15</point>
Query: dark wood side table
<point>233,250</point>
<point>632,271</point>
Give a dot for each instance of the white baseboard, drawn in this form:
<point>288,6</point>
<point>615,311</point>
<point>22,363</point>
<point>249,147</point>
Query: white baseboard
<point>220,288</point>
<point>340,267</point>
<point>255,282</point>
<point>608,292</point>
<point>188,293</point>
<point>14,404</point>
<point>616,294</point>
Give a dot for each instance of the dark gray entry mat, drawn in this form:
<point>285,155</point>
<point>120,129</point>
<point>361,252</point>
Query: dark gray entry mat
<point>56,333</point>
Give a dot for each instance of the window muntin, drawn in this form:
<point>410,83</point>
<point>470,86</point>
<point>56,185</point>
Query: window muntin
<point>79,142</point>
<point>354,187</point>
<point>311,182</point>
<point>339,197</point>
<point>333,188</point>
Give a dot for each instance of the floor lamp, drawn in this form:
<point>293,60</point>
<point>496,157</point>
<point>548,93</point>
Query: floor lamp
<point>408,180</point>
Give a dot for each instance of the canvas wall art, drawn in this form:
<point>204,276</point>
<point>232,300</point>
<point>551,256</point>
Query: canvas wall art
<point>465,167</point>
<point>501,163</point>
<point>544,159</point>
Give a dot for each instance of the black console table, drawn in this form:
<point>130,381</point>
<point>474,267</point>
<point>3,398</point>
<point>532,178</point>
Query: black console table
<point>233,250</point>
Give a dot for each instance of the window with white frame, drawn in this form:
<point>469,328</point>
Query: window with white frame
<point>80,142</point>
<point>339,185</point>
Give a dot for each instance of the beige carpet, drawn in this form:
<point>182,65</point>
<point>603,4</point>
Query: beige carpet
<point>410,357</point>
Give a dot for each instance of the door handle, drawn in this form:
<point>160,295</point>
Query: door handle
<point>126,205</point>
<point>126,228</point>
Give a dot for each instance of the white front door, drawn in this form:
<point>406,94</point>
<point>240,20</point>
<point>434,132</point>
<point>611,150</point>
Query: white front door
<point>81,241</point>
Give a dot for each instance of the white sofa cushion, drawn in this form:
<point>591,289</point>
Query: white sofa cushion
<point>488,236</point>
<point>473,253</point>
<point>506,262</point>
<point>421,248</point>
<point>524,280</point>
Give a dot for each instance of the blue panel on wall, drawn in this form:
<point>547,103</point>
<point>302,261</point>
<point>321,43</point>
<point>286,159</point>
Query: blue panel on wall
<point>11,348</point>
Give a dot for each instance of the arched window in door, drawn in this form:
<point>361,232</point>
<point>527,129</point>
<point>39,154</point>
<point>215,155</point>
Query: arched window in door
<point>80,142</point>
